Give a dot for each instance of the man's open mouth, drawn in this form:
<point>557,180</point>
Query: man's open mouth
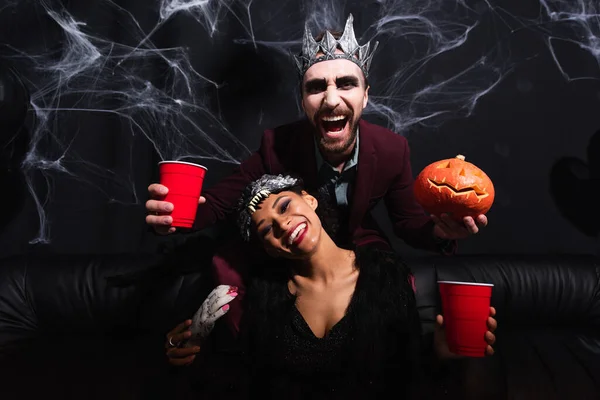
<point>334,124</point>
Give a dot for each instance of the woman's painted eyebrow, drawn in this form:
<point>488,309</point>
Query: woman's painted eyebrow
<point>273,206</point>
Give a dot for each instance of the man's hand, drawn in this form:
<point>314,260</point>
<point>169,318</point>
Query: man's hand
<point>441,345</point>
<point>159,211</point>
<point>450,229</point>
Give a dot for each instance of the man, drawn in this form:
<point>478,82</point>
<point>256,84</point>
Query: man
<point>348,163</point>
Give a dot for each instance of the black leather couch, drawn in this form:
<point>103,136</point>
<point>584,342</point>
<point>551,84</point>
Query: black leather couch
<point>66,333</point>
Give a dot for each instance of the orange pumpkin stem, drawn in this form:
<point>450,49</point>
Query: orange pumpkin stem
<point>460,157</point>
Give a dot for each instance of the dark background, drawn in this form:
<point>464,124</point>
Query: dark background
<point>514,88</point>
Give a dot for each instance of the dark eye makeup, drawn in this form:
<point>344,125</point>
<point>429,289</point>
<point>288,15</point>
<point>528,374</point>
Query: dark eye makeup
<point>282,209</point>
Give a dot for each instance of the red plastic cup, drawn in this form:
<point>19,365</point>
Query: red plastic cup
<point>466,308</point>
<point>184,181</point>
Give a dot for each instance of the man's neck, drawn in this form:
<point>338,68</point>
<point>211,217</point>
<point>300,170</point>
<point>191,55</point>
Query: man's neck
<point>338,164</point>
<point>338,160</point>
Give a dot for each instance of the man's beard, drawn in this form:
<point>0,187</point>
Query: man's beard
<point>333,146</point>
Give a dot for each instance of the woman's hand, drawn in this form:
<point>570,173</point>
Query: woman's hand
<point>183,342</point>
<point>441,345</point>
<point>178,356</point>
<point>214,307</point>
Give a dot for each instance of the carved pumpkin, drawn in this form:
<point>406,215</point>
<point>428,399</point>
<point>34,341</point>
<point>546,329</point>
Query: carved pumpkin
<point>454,186</point>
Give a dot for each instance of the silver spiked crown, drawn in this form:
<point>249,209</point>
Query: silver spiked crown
<point>351,50</point>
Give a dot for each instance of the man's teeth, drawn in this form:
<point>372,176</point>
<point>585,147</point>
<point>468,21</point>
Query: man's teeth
<point>334,118</point>
<point>296,232</point>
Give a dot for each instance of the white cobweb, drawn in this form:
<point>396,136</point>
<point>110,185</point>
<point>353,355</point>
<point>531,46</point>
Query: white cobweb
<point>436,60</point>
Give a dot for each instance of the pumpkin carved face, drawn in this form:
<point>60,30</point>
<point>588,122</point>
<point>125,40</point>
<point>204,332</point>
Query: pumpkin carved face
<point>454,186</point>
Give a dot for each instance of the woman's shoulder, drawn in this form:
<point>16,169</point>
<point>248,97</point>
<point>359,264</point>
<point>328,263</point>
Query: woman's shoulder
<point>383,272</point>
<point>376,260</point>
<point>384,295</point>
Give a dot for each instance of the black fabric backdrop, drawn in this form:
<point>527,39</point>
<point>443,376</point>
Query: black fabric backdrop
<point>117,86</point>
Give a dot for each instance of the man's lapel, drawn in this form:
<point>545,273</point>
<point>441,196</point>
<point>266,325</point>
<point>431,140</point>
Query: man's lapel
<point>304,151</point>
<point>365,176</point>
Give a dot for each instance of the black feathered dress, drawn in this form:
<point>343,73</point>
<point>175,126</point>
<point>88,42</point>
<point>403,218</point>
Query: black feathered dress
<point>372,352</point>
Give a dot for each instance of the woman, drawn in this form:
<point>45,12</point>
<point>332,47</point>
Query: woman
<point>320,321</point>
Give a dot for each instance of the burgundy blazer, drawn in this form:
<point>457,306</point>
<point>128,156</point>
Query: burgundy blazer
<point>384,173</point>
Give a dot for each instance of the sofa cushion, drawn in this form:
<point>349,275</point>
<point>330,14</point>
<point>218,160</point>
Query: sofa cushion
<point>534,290</point>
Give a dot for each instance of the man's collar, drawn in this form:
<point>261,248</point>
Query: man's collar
<point>351,163</point>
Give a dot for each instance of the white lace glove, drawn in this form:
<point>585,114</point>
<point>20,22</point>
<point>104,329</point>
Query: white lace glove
<point>214,307</point>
